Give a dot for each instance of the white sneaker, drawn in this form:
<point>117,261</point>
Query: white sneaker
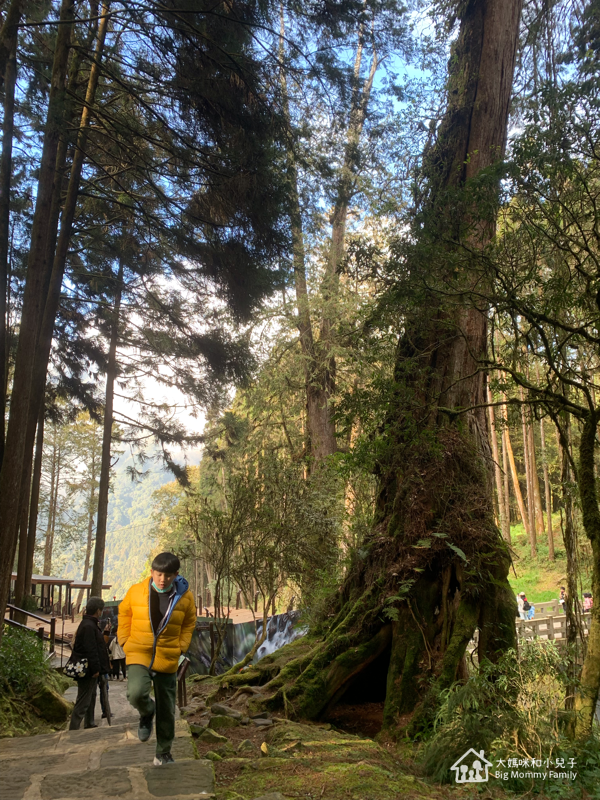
<point>163,758</point>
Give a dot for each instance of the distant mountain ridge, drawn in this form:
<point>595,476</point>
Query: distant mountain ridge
<point>129,541</point>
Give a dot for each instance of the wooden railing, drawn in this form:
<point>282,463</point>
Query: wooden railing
<point>40,631</point>
<point>548,627</point>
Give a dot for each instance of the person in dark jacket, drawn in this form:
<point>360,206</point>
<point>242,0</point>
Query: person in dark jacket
<point>89,643</point>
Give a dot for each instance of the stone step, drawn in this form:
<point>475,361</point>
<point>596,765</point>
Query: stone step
<point>73,741</point>
<point>128,777</point>
<point>186,780</point>
<point>69,764</point>
<point>103,763</point>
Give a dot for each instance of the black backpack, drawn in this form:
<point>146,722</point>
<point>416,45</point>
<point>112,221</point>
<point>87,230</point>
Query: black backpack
<point>526,605</point>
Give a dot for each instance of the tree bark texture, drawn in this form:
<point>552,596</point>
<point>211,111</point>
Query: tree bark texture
<point>434,568</point>
<point>528,480</point>
<point>7,34</point>
<point>31,490</point>
<point>547,492</point>
<point>537,496</point>
<point>35,495</point>
<point>572,605</point>
<point>10,80</point>
<point>586,697</point>
<point>504,522</point>
<point>20,585</point>
<point>506,477</point>
<point>38,268</point>
<point>515,479</point>
<point>55,472</point>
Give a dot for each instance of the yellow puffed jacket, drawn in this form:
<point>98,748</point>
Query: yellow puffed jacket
<point>159,651</point>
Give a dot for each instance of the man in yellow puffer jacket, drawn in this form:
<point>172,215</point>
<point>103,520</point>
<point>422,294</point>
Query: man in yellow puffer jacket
<point>156,620</point>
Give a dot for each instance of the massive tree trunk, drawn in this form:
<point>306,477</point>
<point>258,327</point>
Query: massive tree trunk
<point>105,459</point>
<point>586,697</point>
<point>435,566</point>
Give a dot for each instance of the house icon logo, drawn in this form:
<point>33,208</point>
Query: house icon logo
<point>472,767</point>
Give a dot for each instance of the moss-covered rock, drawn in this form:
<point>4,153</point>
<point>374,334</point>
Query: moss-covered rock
<point>51,706</point>
<point>246,747</point>
<point>222,721</point>
<point>195,728</point>
<point>212,737</point>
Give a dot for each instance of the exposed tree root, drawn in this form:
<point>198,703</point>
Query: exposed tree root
<point>433,574</point>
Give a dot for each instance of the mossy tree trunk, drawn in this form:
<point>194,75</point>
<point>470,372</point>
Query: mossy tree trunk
<point>434,568</point>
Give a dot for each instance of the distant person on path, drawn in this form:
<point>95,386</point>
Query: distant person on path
<point>531,612</point>
<point>521,605</point>
<point>563,597</point>
<point>588,601</point>
<point>89,643</point>
<point>117,656</point>
<point>156,620</point>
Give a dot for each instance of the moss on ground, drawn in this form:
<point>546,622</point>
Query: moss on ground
<point>313,778</point>
<point>307,760</point>
<point>315,761</point>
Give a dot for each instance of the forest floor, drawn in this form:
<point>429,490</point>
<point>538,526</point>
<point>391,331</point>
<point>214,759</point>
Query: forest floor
<point>539,577</point>
<point>343,758</point>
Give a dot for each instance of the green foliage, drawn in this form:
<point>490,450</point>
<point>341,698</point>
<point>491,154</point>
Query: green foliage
<point>25,673</point>
<point>22,662</point>
<point>512,709</point>
<point>29,603</point>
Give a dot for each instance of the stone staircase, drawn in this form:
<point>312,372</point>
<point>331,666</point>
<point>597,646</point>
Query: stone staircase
<point>103,763</point>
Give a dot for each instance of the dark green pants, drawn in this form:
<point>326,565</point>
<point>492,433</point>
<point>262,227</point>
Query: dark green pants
<point>139,683</point>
